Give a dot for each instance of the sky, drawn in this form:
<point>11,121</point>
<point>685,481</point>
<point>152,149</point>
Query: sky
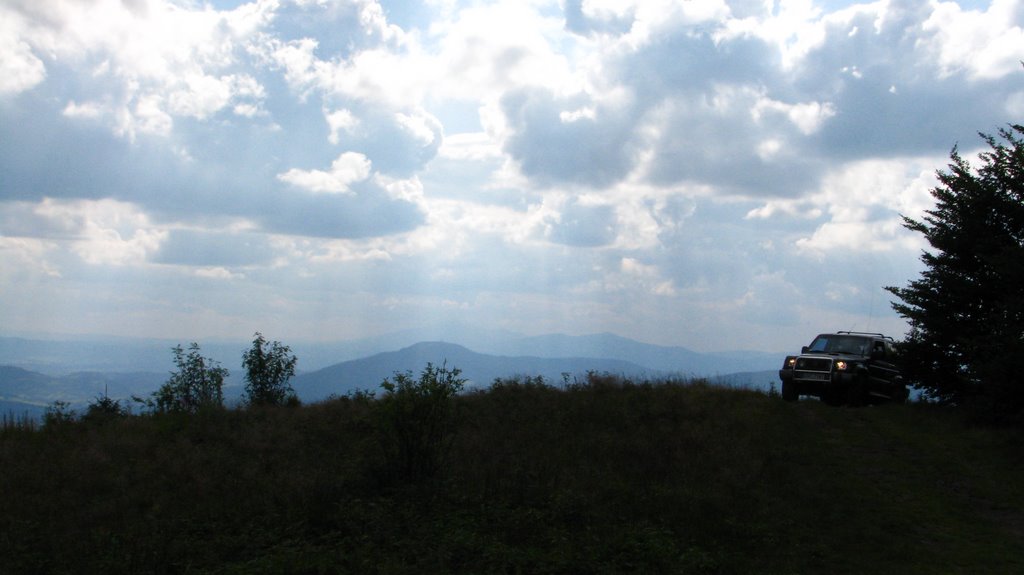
<point>711,174</point>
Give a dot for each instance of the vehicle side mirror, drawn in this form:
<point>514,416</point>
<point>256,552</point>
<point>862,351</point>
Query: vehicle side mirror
<point>805,349</point>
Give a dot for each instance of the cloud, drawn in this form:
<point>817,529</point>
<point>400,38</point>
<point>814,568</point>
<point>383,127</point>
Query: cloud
<point>153,64</point>
<point>99,232</point>
<point>704,99</point>
<point>486,50</point>
<point>218,273</point>
<point>554,143</point>
<point>27,260</point>
<point>340,121</point>
<point>210,249</point>
<point>618,166</point>
<point>20,69</point>
<point>984,43</point>
<point>399,143</point>
<point>863,202</point>
<point>589,17</point>
<point>369,211</point>
<point>347,169</point>
<point>582,225</point>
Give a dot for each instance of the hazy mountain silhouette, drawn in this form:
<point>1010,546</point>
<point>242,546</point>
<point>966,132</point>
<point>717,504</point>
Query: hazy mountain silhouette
<point>30,391</point>
<point>61,356</point>
<point>78,369</point>
<point>678,360</point>
<point>479,369</point>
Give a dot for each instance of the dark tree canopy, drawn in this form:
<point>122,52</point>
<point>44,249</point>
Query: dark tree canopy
<point>268,367</point>
<point>966,311</point>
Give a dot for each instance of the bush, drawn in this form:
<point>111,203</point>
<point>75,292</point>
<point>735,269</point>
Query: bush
<point>197,384</point>
<point>58,413</point>
<point>415,418</point>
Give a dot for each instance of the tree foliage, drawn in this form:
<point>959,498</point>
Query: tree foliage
<point>197,384</point>
<point>268,367</point>
<point>966,311</point>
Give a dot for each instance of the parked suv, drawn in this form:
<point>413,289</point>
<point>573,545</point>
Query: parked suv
<point>844,367</point>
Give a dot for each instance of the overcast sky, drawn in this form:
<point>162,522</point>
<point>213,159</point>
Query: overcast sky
<point>711,174</point>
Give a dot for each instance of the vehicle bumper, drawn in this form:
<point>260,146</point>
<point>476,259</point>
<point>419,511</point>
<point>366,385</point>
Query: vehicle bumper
<point>836,382</point>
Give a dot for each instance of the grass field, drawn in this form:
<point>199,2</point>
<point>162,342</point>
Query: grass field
<point>602,477</point>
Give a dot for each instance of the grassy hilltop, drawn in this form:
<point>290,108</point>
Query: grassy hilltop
<point>603,477</point>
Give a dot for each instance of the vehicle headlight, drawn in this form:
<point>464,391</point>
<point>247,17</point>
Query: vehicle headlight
<point>842,365</point>
<point>790,361</point>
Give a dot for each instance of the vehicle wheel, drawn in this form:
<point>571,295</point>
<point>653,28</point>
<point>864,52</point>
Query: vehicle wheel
<point>857,392</point>
<point>832,397</point>
<point>901,395</point>
<point>789,391</point>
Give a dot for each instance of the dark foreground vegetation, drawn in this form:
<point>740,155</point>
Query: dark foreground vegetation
<point>604,476</point>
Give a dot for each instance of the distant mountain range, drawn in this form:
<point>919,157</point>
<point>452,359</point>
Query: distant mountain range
<point>28,392</point>
<point>480,370</point>
<point>36,372</point>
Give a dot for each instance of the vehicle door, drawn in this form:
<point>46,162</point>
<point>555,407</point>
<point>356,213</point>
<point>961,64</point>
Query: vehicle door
<point>881,366</point>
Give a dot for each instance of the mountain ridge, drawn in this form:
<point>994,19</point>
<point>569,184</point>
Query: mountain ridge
<point>78,371</point>
<point>61,356</point>
<point>478,369</point>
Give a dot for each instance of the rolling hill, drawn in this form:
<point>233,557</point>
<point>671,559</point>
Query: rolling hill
<point>28,392</point>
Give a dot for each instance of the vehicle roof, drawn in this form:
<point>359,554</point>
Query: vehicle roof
<point>858,333</point>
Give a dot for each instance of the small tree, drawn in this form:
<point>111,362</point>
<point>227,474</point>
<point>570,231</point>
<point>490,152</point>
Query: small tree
<point>197,384</point>
<point>268,367</point>
<point>966,311</point>
<point>104,409</point>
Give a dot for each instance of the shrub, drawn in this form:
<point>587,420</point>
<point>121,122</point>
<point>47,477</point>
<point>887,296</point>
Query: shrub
<point>198,383</point>
<point>58,413</point>
<point>415,418</point>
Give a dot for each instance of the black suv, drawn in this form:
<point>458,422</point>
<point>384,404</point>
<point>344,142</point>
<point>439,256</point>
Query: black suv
<point>844,367</point>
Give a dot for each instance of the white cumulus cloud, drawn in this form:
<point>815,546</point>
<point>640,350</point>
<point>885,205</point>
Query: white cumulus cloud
<point>347,169</point>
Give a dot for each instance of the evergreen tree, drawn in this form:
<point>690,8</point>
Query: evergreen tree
<point>966,311</point>
<point>268,367</point>
<point>103,409</point>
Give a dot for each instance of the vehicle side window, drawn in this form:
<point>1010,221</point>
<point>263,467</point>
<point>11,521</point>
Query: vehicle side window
<point>890,351</point>
<point>819,344</point>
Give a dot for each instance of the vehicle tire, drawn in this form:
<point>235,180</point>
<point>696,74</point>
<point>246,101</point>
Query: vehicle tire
<point>857,392</point>
<point>901,395</point>
<point>789,391</point>
<point>832,397</point>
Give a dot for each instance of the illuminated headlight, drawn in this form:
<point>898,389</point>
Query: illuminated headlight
<point>842,366</point>
<point>790,361</point>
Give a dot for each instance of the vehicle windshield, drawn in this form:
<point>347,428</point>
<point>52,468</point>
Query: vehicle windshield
<point>841,344</point>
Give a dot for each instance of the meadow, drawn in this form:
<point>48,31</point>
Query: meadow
<point>602,475</point>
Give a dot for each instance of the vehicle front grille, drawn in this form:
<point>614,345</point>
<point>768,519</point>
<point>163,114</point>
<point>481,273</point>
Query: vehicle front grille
<point>814,364</point>
<point>813,369</point>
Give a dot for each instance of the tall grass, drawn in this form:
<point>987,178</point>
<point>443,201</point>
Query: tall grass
<point>601,476</point>
<point>14,423</point>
